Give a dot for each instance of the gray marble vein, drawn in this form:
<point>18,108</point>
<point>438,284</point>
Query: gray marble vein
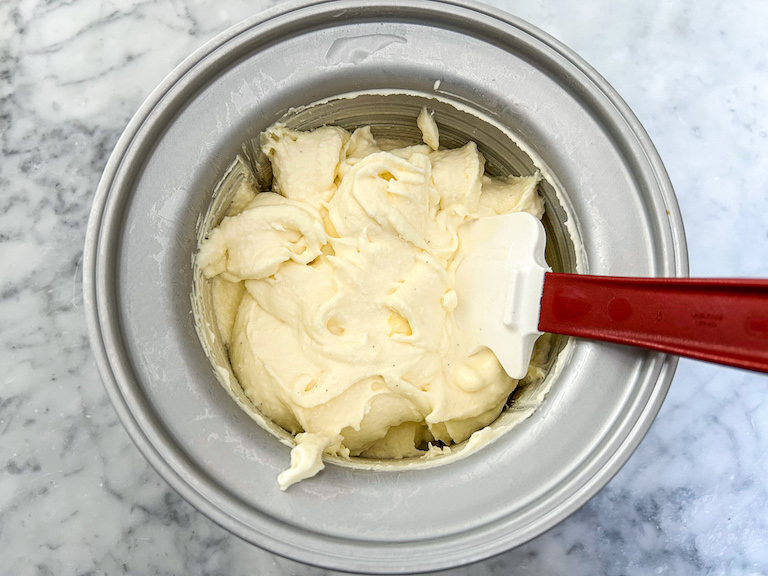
<point>76,497</point>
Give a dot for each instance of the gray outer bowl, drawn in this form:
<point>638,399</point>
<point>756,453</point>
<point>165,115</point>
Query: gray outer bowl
<point>138,277</point>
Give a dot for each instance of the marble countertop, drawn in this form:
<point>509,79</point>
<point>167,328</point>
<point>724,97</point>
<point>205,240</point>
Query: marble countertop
<point>76,497</point>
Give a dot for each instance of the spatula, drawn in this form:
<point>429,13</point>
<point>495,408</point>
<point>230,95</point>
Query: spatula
<point>508,297</point>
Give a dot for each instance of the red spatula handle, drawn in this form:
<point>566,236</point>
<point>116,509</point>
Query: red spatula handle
<point>717,320</point>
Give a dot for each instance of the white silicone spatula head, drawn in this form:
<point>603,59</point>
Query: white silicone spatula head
<point>499,282</point>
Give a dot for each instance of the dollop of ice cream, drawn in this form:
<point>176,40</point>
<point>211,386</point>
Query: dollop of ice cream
<point>333,293</point>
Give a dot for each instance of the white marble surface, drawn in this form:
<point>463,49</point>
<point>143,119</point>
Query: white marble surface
<point>76,497</point>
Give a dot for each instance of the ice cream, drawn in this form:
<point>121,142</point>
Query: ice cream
<point>333,293</point>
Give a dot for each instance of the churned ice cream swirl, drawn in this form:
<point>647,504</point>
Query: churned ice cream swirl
<point>334,293</point>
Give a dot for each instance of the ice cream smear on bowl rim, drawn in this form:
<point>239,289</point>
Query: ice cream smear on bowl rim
<point>333,294</point>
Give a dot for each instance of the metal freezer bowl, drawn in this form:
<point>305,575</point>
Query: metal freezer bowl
<point>138,277</point>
